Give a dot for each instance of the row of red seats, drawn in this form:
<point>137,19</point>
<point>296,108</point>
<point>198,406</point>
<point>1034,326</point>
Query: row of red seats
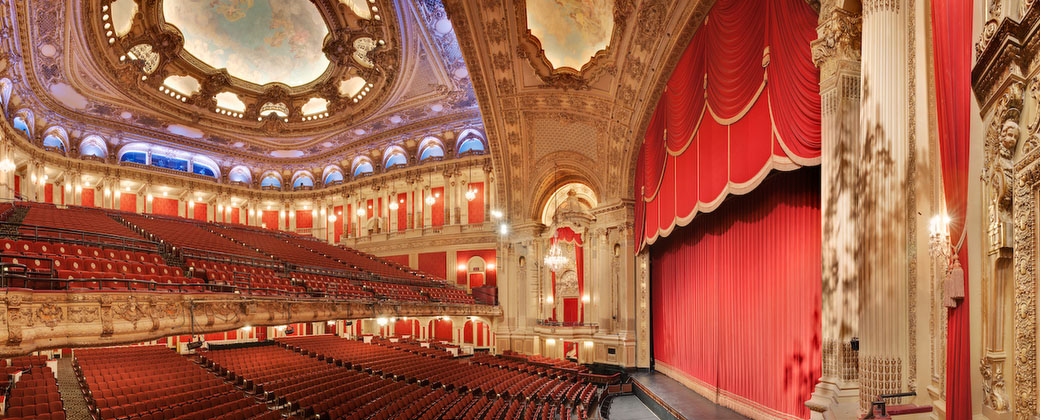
<point>154,383</point>
<point>245,276</point>
<point>275,245</point>
<point>35,396</point>
<point>78,219</point>
<point>188,234</point>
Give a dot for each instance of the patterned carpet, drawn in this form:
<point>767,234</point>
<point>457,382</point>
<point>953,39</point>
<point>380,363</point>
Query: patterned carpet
<point>71,396</point>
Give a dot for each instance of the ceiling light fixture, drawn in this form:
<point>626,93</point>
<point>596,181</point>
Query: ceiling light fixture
<point>555,259</point>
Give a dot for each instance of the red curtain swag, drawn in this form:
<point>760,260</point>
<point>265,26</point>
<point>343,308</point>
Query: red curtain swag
<point>951,34</point>
<point>736,296</point>
<point>743,100</point>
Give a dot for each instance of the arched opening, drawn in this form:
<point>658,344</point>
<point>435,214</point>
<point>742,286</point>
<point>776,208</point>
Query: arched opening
<point>362,166</point>
<point>93,146</point>
<point>240,174</point>
<point>430,148</point>
<point>570,197</point>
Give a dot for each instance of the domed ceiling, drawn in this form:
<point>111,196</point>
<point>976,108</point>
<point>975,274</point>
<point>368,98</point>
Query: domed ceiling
<point>257,82</point>
<point>259,42</point>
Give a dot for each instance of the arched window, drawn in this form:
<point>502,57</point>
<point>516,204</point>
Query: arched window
<point>203,170</point>
<point>396,159</point>
<point>303,181</point>
<point>471,143</point>
<point>53,141</point>
<point>134,157</point>
<point>175,164</point>
<point>271,181</point>
<point>431,151</point>
<point>240,174</point>
<point>92,150</point>
<point>363,168</point>
<point>93,145</point>
<point>335,176</point>
<point>19,124</point>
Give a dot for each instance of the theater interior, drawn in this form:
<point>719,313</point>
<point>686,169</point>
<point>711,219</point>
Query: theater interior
<point>519,209</point>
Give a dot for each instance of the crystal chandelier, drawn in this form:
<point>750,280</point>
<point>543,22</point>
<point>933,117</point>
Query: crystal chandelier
<point>555,259</point>
<point>6,165</point>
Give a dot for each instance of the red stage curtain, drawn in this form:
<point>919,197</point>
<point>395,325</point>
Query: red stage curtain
<point>720,127</point>
<point>951,34</point>
<point>736,295</point>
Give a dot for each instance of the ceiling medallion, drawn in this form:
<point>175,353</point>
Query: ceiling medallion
<point>550,28</point>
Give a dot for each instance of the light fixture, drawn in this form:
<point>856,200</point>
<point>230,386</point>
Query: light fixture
<point>220,207</point>
<point>549,299</point>
<point>462,267</point>
<point>361,212</point>
<point>332,218</point>
<point>7,165</point>
<point>496,214</point>
<point>394,205</point>
<point>314,213</point>
<point>503,229</point>
<point>491,266</point>
<point>471,195</point>
<point>382,321</point>
<point>430,200</point>
<point>585,299</point>
<point>555,259</point>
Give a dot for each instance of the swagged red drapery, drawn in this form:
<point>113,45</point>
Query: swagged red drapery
<point>573,308</point>
<point>743,100</point>
<point>951,26</point>
<point>736,298</point>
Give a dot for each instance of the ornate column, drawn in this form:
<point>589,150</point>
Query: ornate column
<point>883,190</point>
<point>837,53</point>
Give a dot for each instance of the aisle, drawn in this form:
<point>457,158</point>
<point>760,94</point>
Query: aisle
<point>71,395</point>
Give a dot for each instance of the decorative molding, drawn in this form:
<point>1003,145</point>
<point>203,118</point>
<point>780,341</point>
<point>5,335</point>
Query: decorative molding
<point>49,320</point>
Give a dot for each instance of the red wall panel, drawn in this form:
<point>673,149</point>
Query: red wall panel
<point>462,258</point>
<point>434,263</point>
<point>476,207</point>
<point>437,209</point>
<point>48,193</point>
<point>441,329</point>
<point>164,206</point>
<point>402,211</point>
<point>128,202</point>
<point>736,294</point>
<point>400,259</point>
<point>304,219</point>
<point>570,310</point>
<point>200,212</point>
<point>87,197</point>
<point>338,225</point>
<point>270,219</point>
<point>236,213</point>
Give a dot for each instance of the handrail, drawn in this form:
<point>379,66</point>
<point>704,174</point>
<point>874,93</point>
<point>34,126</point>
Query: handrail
<point>204,254</point>
<point>82,235</point>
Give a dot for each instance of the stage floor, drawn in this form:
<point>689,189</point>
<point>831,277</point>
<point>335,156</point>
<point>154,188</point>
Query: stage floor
<point>668,398</point>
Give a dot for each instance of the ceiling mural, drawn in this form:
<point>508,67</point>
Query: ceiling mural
<point>82,72</point>
<point>259,41</point>
<point>571,31</point>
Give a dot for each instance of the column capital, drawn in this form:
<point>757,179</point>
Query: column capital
<point>840,35</point>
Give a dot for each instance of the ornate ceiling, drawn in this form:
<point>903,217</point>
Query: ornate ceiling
<point>266,83</point>
<point>588,120</point>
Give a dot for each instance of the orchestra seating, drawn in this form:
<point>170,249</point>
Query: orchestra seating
<point>475,389</point>
<point>35,394</point>
<point>109,250</point>
<point>154,383</point>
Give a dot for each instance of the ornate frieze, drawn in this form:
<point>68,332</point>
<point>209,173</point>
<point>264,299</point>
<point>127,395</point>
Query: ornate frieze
<point>52,320</point>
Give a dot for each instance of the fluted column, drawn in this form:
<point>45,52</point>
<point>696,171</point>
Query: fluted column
<point>837,54</point>
<point>882,188</point>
